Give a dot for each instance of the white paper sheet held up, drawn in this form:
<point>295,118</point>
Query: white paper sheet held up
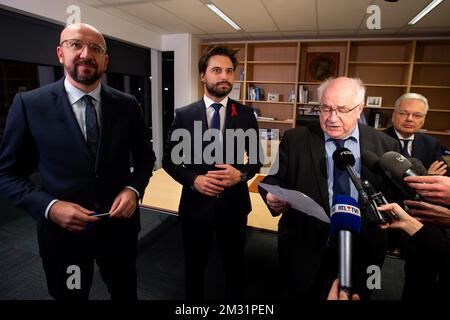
<point>298,201</point>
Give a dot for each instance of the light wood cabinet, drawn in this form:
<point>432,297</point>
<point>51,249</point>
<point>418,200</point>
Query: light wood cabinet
<point>388,68</point>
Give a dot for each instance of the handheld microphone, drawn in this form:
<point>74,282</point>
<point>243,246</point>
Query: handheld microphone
<point>399,167</point>
<point>373,163</point>
<point>344,159</point>
<point>345,220</point>
<point>418,167</point>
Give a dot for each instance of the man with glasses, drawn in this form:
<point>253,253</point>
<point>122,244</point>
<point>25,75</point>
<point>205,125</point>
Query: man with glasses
<point>80,135</point>
<point>407,119</point>
<point>306,165</point>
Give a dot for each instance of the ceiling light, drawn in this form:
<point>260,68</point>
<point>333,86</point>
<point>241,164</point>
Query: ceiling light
<point>217,11</point>
<point>425,11</point>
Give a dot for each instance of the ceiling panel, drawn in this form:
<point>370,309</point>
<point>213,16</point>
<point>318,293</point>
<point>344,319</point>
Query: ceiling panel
<point>198,15</point>
<point>161,18</point>
<point>439,17</point>
<point>250,15</point>
<point>292,15</point>
<point>397,14</point>
<point>334,15</point>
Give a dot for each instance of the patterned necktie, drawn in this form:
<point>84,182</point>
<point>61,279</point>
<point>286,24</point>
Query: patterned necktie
<point>405,151</point>
<point>341,182</point>
<point>92,132</point>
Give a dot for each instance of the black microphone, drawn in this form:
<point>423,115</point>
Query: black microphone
<point>373,163</point>
<point>344,159</point>
<point>345,220</point>
<point>418,167</point>
<point>400,167</point>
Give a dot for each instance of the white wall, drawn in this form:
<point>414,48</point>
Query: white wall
<point>185,48</point>
<point>109,25</point>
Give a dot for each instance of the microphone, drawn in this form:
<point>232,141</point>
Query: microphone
<point>400,167</point>
<point>344,159</point>
<point>345,220</point>
<point>418,167</point>
<point>373,163</point>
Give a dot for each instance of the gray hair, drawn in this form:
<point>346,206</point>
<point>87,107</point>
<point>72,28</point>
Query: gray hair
<point>411,95</point>
<point>356,82</point>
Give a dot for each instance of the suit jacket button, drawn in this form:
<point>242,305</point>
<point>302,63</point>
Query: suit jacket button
<point>97,176</point>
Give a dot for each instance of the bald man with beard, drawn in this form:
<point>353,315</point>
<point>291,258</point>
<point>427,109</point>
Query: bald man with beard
<point>80,134</point>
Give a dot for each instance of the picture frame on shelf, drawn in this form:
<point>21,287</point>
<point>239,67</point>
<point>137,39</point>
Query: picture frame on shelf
<point>373,102</point>
<point>321,66</point>
<point>275,97</point>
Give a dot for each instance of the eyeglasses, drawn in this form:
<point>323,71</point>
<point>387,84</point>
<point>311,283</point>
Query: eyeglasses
<point>76,46</point>
<point>340,110</point>
<point>405,114</point>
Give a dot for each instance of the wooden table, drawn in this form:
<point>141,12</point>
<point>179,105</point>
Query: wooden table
<point>163,194</point>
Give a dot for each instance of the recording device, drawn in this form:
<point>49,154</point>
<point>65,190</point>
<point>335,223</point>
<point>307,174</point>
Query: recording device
<point>345,220</point>
<point>399,167</point>
<point>344,159</point>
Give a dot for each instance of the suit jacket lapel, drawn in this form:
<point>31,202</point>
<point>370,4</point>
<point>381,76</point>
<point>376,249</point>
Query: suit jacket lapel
<point>67,116</point>
<point>319,161</point>
<point>107,104</point>
<point>365,143</point>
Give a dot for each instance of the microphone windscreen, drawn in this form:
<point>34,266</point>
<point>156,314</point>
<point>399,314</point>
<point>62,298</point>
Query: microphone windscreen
<point>345,215</point>
<point>343,157</point>
<point>395,163</point>
<point>418,167</point>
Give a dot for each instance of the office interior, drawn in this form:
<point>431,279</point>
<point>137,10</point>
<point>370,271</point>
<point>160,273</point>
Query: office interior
<point>154,47</point>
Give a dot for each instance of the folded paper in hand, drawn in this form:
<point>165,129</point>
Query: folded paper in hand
<point>299,201</point>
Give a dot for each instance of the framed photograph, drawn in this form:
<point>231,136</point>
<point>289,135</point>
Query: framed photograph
<point>321,66</point>
<point>374,102</point>
<point>273,96</point>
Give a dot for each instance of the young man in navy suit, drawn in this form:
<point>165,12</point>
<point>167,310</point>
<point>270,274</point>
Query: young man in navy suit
<point>215,196</point>
<point>80,134</point>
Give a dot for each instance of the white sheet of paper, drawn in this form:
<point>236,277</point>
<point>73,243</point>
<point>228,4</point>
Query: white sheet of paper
<point>298,200</point>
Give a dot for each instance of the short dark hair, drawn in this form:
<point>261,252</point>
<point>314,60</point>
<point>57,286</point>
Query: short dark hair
<point>216,50</point>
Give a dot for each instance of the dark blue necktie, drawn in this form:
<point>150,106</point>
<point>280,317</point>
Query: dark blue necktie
<point>341,182</point>
<point>92,132</point>
<point>215,122</point>
<point>404,150</point>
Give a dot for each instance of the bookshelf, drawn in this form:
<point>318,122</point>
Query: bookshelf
<point>388,68</point>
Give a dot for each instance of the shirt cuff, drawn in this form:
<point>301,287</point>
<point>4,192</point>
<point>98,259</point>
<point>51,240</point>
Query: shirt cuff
<point>137,192</point>
<point>47,210</point>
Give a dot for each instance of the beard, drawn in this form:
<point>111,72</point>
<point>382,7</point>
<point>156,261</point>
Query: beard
<point>216,91</point>
<point>86,79</point>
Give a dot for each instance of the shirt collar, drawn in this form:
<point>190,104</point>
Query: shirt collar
<point>76,94</point>
<point>209,102</point>
<point>400,137</point>
<point>353,136</point>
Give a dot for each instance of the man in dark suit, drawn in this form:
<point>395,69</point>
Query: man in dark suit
<point>306,165</point>
<point>215,195</point>
<point>407,119</point>
<point>80,134</point>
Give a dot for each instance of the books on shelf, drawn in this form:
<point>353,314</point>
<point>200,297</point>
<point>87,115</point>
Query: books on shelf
<point>376,119</point>
<point>255,93</point>
<point>303,93</point>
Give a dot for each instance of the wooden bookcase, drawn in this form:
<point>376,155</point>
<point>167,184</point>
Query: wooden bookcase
<point>388,68</point>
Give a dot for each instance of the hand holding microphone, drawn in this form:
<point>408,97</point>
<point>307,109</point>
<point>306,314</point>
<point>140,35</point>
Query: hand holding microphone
<point>345,219</point>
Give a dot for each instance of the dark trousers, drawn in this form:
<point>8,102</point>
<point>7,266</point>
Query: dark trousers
<point>198,233</point>
<point>68,259</point>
